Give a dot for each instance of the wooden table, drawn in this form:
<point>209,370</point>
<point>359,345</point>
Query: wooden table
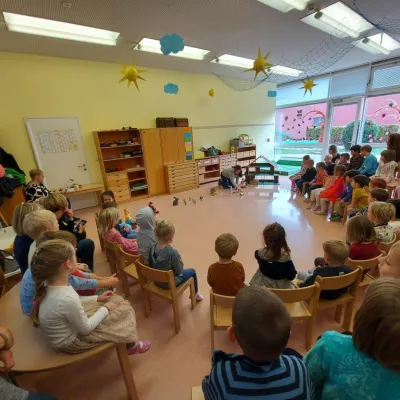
<point>7,236</point>
<point>97,188</point>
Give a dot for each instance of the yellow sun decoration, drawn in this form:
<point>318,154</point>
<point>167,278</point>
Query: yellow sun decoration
<point>308,85</point>
<point>131,74</point>
<point>260,64</point>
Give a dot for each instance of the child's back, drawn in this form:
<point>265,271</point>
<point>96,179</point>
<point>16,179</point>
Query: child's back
<point>166,259</point>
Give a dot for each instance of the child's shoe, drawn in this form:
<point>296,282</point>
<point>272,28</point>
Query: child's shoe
<point>335,217</point>
<point>310,206</point>
<point>319,212</point>
<point>199,297</point>
<point>307,200</point>
<point>139,348</point>
<point>315,208</point>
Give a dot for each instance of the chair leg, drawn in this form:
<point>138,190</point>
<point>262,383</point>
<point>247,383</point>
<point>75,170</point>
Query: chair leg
<point>101,243</point>
<point>125,284</point>
<point>338,313</point>
<point>348,315</point>
<point>192,295</point>
<point>175,307</point>
<point>126,371</point>
<point>147,303</point>
<point>309,332</point>
<point>212,340</point>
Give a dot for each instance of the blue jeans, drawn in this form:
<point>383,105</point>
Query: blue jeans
<point>187,273</point>
<point>38,396</point>
<point>225,182</point>
<point>299,183</point>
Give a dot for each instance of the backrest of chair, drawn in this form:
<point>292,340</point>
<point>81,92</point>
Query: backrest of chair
<point>342,281</point>
<point>3,222</point>
<point>111,252</point>
<point>222,301</point>
<point>125,258</point>
<point>3,283</point>
<point>386,246</point>
<point>295,295</point>
<point>155,275</point>
<point>366,265</point>
<point>101,240</point>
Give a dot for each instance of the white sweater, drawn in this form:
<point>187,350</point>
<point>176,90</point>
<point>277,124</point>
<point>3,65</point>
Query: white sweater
<point>62,316</point>
<point>386,170</point>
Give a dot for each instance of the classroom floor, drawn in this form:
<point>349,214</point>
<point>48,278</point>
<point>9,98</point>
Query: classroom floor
<point>176,363</point>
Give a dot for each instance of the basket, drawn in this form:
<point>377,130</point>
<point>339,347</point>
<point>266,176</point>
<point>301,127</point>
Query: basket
<point>181,122</point>
<point>163,122</point>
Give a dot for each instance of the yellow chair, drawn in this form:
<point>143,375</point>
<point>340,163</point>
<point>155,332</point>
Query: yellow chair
<point>351,280</point>
<point>197,393</point>
<point>147,277</point>
<point>220,313</point>
<point>366,265</point>
<point>126,264</point>
<point>302,305</point>
<point>345,212</point>
<point>386,246</point>
<point>101,240</point>
<point>4,287</point>
<point>303,187</point>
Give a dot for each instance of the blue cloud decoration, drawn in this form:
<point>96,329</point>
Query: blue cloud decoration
<point>171,44</point>
<point>171,88</point>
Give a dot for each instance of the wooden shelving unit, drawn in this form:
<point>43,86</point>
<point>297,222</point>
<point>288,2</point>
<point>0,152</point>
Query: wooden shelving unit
<point>122,164</point>
<point>181,176</point>
<point>245,155</point>
<point>210,168</point>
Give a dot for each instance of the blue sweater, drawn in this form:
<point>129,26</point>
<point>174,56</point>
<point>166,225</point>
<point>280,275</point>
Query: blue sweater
<point>347,194</point>
<point>235,377</point>
<point>369,165</point>
<point>21,251</point>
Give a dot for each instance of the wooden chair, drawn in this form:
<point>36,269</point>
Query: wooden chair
<point>386,246</point>
<point>101,240</point>
<point>126,264</point>
<point>33,354</point>
<point>220,313</point>
<point>303,187</point>
<point>351,280</point>
<point>345,212</point>
<point>302,305</point>
<point>112,251</point>
<point>197,393</point>
<point>147,277</point>
<point>366,266</point>
<point>4,287</point>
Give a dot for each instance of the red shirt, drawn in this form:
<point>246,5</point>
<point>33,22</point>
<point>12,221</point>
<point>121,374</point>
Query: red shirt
<point>90,292</point>
<point>319,179</point>
<point>335,191</point>
<point>363,251</point>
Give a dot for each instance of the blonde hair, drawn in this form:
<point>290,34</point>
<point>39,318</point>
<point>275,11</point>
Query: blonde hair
<point>61,235</point>
<point>360,229</point>
<point>377,323</point>
<point>336,250</point>
<point>45,266</point>
<point>108,218</point>
<point>19,214</point>
<point>54,202</point>
<point>164,229</point>
<point>37,222</point>
<point>35,172</point>
<point>226,245</point>
<point>382,211</point>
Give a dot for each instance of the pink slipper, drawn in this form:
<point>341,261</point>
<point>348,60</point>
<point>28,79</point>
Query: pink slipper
<point>199,297</point>
<point>139,348</point>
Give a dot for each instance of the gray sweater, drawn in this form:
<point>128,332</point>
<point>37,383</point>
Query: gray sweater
<point>166,259</point>
<point>229,173</point>
<point>10,392</point>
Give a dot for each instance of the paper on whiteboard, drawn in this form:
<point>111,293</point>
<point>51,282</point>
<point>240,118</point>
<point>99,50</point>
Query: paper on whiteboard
<point>58,141</point>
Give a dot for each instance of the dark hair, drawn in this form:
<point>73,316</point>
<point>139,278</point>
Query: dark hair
<point>345,155</point>
<point>352,173</point>
<point>333,147</point>
<point>107,193</point>
<point>356,148</point>
<point>340,168</point>
<point>321,165</point>
<point>393,143</point>
<point>238,168</point>
<point>108,204</point>
<point>367,148</point>
<point>319,261</point>
<point>275,240</point>
<point>379,194</point>
<point>378,183</point>
<point>261,323</point>
<point>306,157</point>
<point>389,155</point>
<point>360,229</point>
<point>362,180</point>
<point>396,204</point>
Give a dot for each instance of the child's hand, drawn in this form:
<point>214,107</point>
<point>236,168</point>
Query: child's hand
<point>105,296</point>
<point>70,213</point>
<point>6,357</point>
<point>83,267</point>
<point>112,281</point>
<point>126,229</point>
<point>111,306</point>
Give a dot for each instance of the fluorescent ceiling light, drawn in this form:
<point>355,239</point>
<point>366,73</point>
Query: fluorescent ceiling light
<point>286,5</point>
<point>153,46</point>
<point>375,46</point>
<point>338,20</point>
<point>379,43</point>
<point>240,62</point>
<point>59,30</point>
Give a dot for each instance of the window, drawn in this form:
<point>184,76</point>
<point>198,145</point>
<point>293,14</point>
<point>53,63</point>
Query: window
<point>349,83</point>
<point>386,77</point>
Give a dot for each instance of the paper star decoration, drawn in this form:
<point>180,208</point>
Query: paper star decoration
<point>131,74</point>
<point>260,64</point>
<point>308,84</point>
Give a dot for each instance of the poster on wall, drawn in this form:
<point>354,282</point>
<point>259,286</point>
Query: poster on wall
<point>188,146</point>
<point>58,141</point>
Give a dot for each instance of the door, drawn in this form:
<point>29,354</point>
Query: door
<point>169,141</point>
<point>343,124</point>
<point>153,157</point>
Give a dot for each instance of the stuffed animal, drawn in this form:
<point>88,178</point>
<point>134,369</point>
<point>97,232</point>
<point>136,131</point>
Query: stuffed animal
<point>176,201</point>
<point>128,218</point>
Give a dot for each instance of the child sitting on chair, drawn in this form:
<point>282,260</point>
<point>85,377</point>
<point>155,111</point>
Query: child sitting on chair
<point>146,221</point>
<point>345,160</point>
<point>317,182</point>
<point>366,364</point>
<point>359,197</point>
<point>108,219</point>
<point>387,166</point>
<point>370,163</point>
<point>164,257</point>
<point>329,180</point>
<point>381,214</point>
<point>336,253</point>
<point>318,262</point>
<point>362,238</point>
<point>75,324</point>
<point>35,189</point>
<point>266,369</point>
<point>389,265</point>
<point>275,266</point>
<point>226,277</point>
<point>299,174</point>
<point>308,176</point>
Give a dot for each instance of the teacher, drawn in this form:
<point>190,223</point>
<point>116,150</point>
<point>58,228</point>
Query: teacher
<point>393,143</point>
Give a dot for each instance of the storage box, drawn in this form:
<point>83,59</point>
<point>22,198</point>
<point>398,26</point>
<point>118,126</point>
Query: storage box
<point>200,163</point>
<point>163,122</point>
<point>252,153</point>
<point>181,122</point>
<point>202,170</point>
<point>215,160</point>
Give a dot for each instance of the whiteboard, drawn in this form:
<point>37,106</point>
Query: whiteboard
<point>58,149</point>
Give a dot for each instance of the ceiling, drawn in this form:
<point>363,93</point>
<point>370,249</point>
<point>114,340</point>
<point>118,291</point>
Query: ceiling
<point>236,27</point>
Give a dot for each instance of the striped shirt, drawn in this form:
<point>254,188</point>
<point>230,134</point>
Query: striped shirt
<point>235,377</point>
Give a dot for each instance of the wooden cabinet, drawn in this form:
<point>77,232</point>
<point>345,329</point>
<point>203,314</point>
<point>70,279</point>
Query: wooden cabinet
<point>151,141</point>
<point>173,144</point>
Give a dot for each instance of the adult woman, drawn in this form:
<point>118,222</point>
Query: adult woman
<point>393,143</point>
<point>230,177</point>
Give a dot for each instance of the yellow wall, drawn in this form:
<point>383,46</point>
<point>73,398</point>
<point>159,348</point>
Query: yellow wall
<point>34,86</point>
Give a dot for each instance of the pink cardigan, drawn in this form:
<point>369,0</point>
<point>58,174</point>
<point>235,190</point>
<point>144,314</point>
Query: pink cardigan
<point>129,245</point>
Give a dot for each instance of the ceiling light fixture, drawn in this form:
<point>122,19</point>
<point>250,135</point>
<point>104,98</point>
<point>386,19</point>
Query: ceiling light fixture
<point>379,43</point>
<point>338,20</point>
<point>153,46</point>
<point>286,5</point>
<point>375,46</point>
<point>59,30</point>
<point>241,62</point>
